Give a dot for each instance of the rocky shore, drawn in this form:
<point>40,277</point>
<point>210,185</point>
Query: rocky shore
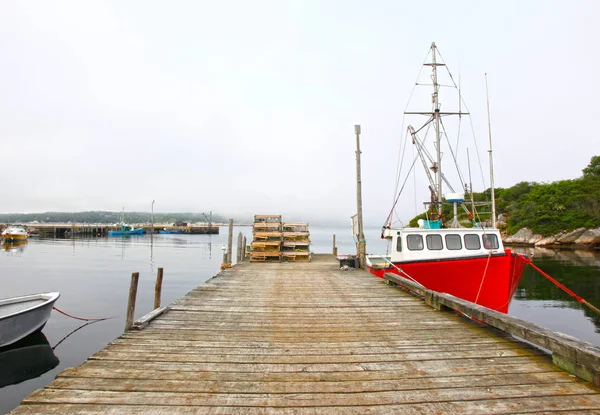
<point>581,238</point>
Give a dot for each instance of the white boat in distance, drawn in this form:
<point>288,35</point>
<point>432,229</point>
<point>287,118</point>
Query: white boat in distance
<point>15,233</point>
<point>21,316</point>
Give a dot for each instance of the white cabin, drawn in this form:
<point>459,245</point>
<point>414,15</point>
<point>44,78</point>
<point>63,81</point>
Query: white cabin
<point>416,244</point>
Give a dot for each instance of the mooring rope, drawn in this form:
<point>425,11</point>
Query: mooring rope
<point>81,318</point>
<point>483,278</point>
<point>581,300</point>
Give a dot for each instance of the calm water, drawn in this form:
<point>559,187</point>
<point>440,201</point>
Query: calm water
<point>93,278</point>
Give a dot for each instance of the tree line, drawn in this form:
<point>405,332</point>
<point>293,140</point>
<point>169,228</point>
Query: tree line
<point>107,217</point>
<point>545,208</point>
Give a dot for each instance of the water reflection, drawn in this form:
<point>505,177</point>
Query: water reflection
<point>26,359</point>
<point>577,270</point>
<point>15,248</point>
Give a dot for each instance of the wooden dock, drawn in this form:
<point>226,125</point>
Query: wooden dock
<point>309,338</point>
<point>69,230</point>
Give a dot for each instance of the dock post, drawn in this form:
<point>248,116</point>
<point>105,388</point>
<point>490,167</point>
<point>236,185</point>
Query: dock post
<point>244,249</point>
<point>334,251</point>
<point>361,247</point>
<point>230,242</point>
<point>135,276</point>
<point>239,248</point>
<point>158,288</point>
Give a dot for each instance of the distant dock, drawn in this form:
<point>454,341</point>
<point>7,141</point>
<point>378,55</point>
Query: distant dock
<point>309,338</point>
<point>62,230</point>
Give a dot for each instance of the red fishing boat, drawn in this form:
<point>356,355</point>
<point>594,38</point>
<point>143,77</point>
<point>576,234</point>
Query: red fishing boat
<point>469,262</point>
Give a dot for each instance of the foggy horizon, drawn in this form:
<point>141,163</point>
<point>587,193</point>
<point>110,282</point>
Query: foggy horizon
<point>247,108</point>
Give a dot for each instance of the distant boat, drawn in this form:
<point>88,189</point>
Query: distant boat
<point>21,316</point>
<point>127,230</point>
<point>26,359</point>
<point>15,233</point>
<point>167,231</point>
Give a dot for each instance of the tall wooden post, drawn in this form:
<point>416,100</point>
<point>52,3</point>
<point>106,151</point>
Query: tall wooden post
<point>230,242</point>
<point>131,302</point>
<point>239,248</point>
<point>244,249</point>
<point>362,248</point>
<point>334,250</point>
<point>158,288</point>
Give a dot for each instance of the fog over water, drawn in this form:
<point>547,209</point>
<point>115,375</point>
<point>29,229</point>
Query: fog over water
<point>249,107</point>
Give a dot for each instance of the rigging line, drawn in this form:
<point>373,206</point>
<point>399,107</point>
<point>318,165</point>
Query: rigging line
<point>460,175</point>
<point>400,192</point>
<point>399,168</point>
<point>401,153</point>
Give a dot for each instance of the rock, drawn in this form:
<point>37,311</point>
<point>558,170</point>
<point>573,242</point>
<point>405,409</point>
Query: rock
<point>521,237</point>
<point>589,237</point>
<point>535,238</point>
<point>549,240</point>
<point>570,237</point>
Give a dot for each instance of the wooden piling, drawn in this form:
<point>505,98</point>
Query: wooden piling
<point>239,248</point>
<point>230,242</point>
<point>158,288</point>
<point>135,276</point>
<point>244,248</point>
<point>335,250</point>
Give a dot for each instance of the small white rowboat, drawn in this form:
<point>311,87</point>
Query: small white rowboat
<point>21,316</point>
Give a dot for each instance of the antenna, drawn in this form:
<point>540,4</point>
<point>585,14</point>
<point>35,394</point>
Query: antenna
<point>487,97</point>
<point>470,183</point>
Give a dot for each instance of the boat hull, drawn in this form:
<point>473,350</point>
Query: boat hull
<point>21,316</point>
<point>489,281</point>
<point>11,237</point>
<point>139,231</point>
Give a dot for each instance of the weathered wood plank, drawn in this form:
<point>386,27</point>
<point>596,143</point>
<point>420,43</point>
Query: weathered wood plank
<point>529,405</point>
<point>422,369</point>
<point>405,384</point>
<point>310,399</point>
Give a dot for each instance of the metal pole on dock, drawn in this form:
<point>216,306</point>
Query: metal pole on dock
<point>158,288</point>
<point>230,242</point>
<point>361,247</point>
<point>131,302</point>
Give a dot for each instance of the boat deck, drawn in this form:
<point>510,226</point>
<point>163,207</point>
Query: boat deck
<point>309,338</point>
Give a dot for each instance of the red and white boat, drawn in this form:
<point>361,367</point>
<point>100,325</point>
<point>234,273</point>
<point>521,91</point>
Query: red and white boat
<point>467,262</point>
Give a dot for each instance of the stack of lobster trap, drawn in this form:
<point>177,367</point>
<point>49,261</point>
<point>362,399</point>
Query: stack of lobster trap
<point>274,241</point>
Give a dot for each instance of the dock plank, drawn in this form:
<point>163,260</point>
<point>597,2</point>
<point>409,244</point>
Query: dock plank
<point>309,338</point>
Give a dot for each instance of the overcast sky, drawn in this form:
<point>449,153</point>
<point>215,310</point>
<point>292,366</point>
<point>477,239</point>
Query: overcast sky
<point>246,107</point>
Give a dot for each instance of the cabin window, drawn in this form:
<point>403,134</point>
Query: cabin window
<point>472,241</point>
<point>399,244</point>
<point>414,242</point>
<point>434,242</point>
<point>453,242</point>
<point>490,241</point>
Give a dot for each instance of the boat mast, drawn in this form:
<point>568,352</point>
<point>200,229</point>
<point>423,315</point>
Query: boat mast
<point>487,97</point>
<point>436,115</point>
